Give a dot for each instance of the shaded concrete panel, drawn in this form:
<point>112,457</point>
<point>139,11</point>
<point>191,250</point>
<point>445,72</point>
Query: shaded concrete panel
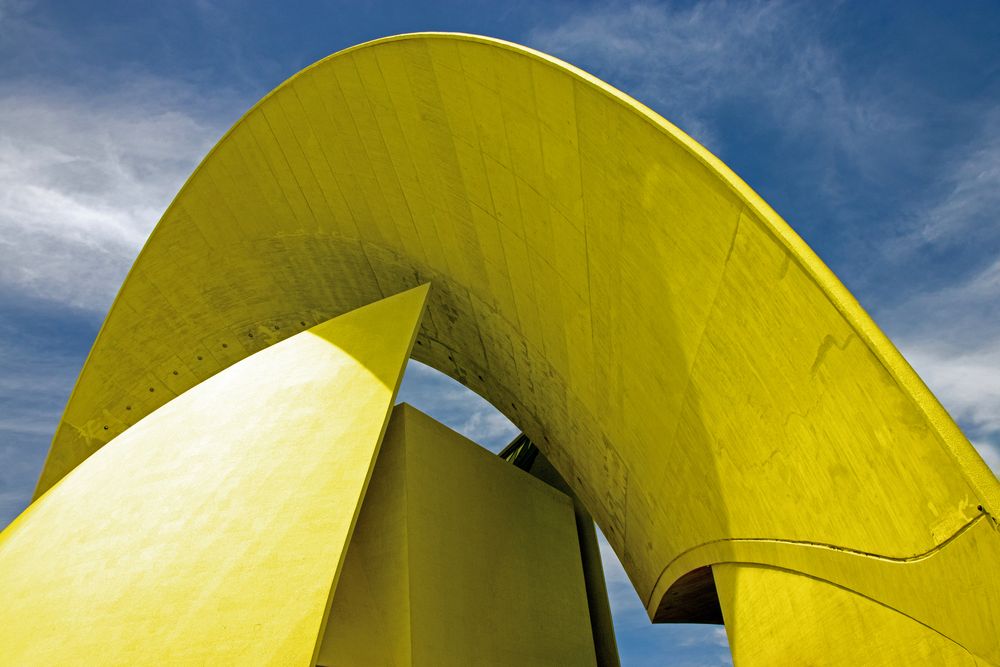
<point>832,626</point>
<point>458,559</point>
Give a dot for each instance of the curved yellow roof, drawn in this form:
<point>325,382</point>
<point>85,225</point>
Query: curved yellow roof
<point>704,382</point>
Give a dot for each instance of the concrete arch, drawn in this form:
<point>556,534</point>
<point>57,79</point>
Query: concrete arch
<point>707,386</point>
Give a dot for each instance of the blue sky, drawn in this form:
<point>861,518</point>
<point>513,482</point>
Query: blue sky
<point>872,127</point>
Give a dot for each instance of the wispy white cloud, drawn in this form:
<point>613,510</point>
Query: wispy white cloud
<point>486,425</point>
<point>710,636</point>
<point>85,173</point>
<point>84,177</point>
<point>692,62</point>
<point>969,207</point>
<point>951,337</point>
<point>967,382</point>
<point>455,406</point>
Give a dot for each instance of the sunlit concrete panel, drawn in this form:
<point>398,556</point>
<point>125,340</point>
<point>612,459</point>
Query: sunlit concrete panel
<point>212,531</point>
<point>459,558</point>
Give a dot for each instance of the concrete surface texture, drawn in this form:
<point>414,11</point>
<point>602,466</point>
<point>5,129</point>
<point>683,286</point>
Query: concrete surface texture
<point>458,558</point>
<point>708,388</point>
<point>213,531</point>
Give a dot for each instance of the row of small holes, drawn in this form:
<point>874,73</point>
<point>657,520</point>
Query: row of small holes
<point>200,358</point>
<point>276,328</point>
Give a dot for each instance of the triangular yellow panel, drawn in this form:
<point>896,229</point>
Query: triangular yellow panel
<point>213,531</point>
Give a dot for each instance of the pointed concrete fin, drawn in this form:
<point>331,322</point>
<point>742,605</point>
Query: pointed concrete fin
<point>214,530</point>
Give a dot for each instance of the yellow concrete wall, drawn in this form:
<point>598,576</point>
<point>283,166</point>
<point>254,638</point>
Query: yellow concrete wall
<point>832,626</point>
<point>601,623</point>
<point>212,531</point>
<point>482,558</point>
<point>369,620</point>
<point>683,359</point>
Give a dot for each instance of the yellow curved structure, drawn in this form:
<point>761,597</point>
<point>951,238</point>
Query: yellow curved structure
<point>180,542</point>
<point>706,386</point>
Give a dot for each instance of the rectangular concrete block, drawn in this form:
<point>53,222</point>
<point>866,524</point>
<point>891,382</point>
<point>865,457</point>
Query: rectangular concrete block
<point>458,558</point>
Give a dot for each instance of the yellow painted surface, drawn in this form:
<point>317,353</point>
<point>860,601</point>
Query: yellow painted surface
<point>601,623</point>
<point>369,620</point>
<point>684,360</point>
<point>458,559</point>
<point>213,531</point>
<point>951,589</point>
<point>831,626</point>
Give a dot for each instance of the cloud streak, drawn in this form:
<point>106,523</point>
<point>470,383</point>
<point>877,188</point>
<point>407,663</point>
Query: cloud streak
<point>951,337</point>
<point>698,62</point>
<point>455,406</point>
<point>974,198</point>
<point>83,179</point>
<point>967,210</point>
<point>85,173</point>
